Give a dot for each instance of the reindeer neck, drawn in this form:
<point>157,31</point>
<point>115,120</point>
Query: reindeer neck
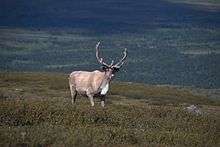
<point>105,80</point>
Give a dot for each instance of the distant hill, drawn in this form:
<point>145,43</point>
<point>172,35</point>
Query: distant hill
<point>105,16</point>
<point>168,42</point>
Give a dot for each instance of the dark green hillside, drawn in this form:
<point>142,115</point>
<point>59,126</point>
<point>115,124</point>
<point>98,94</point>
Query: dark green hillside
<point>169,41</point>
<point>36,110</point>
<point>164,56</point>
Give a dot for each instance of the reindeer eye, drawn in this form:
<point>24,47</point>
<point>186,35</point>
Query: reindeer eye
<point>104,68</point>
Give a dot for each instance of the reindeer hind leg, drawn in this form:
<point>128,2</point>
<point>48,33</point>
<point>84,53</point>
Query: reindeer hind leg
<point>73,93</point>
<point>74,98</point>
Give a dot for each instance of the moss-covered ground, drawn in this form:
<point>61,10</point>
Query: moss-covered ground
<point>36,110</point>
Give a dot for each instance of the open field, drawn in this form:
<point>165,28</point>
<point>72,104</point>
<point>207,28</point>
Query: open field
<point>36,110</point>
<point>173,62</point>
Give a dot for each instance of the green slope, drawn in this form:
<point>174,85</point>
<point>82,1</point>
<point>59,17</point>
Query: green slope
<point>179,56</point>
<point>36,109</point>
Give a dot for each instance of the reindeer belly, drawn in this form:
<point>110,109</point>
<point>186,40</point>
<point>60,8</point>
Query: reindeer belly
<point>105,89</point>
<point>82,91</point>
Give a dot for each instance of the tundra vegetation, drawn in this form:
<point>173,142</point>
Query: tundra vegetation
<point>172,42</point>
<point>36,109</point>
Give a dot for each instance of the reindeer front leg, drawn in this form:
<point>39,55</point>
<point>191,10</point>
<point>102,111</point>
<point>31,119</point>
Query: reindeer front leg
<point>103,100</point>
<point>103,93</point>
<point>90,96</point>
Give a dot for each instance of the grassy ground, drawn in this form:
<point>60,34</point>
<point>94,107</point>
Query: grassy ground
<point>36,110</point>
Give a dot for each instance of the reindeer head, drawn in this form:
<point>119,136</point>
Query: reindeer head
<point>110,69</point>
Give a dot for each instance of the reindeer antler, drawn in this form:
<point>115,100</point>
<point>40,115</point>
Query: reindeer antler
<point>117,65</point>
<point>122,61</point>
<point>100,60</point>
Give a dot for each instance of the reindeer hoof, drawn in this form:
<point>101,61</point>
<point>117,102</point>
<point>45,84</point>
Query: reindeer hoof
<point>102,103</point>
<point>92,104</point>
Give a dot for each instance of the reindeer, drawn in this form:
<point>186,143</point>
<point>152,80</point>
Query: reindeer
<point>95,83</point>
